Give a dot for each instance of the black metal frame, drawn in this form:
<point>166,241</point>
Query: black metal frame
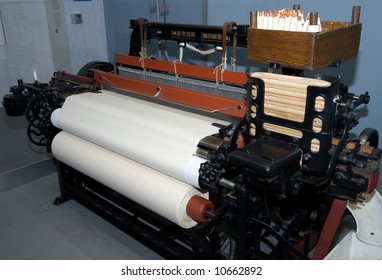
<point>207,34</point>
<point>314,162</point>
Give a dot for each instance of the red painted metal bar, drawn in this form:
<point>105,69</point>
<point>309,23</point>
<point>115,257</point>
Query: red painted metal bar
<point>206,73</point>
<point>191,98</point>
<point>330,228</point>
<point>74,77</point>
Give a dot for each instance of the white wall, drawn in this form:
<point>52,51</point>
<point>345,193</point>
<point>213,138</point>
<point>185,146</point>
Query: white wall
<point>39,35</point>
<point>27,43</point>
<point>87,41</point>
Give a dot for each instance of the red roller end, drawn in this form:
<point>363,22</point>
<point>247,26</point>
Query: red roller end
<point>197,207</point>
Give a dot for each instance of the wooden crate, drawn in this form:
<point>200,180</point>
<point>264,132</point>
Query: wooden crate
<point>338,41</point>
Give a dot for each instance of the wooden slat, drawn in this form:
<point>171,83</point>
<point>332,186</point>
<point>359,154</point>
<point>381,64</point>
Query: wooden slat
<point>252,129</point>
<point>290,113</point>
<point>291,81</point>
<point>271,97</point>
<point>253,111</point>
<point>283,130</point>
<point>315,145</point>
<point>285,96</point>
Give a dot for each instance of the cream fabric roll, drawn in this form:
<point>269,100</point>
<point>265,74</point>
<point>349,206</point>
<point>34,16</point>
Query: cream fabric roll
<point>162,194</point>
<point>156,136</point>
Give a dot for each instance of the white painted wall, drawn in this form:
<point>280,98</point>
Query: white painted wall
<point>27,43</point>
<point>39,35</point>
<point>87,41</point>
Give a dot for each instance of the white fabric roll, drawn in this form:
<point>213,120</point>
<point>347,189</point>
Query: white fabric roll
<point>192,171</point>
<point>156,136</point>
<point>162,194</point>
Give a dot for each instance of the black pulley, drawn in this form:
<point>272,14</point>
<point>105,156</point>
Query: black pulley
<point>14,104</point>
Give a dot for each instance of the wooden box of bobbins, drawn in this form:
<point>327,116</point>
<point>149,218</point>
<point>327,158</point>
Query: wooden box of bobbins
<point>319,45</point>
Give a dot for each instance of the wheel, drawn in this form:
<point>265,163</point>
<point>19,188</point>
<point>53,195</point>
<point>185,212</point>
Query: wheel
<point>369,136</point>
<point>99,65</point>
<point>38,111</point>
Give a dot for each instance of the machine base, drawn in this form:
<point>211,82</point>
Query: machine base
<point>162,236</point>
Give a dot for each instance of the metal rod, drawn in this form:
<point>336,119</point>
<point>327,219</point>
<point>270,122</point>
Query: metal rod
<point>296,7</point>
<point>356,14</point>
<point>253,19</point>
<point>313,20</point>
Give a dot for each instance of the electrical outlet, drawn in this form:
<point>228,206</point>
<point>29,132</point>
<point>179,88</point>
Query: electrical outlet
<point>76,18</point>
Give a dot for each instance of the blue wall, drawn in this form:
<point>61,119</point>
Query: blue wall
<point>119,12</point>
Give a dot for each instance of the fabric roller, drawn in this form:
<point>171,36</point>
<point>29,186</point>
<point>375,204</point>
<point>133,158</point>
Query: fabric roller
<point>156,136</point>
<point>160,193</point>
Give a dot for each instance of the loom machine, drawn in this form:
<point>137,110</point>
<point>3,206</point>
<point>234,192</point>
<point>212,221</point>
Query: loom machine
<point>213,163</point>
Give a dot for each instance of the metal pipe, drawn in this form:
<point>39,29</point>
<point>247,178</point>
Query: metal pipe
<point>157,7</point>
<point>253,19</point>
<point>313,20</point>
<point>356,14</point>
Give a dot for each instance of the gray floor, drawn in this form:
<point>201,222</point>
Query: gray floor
<point>31,227</point>
<point>15,148</point>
